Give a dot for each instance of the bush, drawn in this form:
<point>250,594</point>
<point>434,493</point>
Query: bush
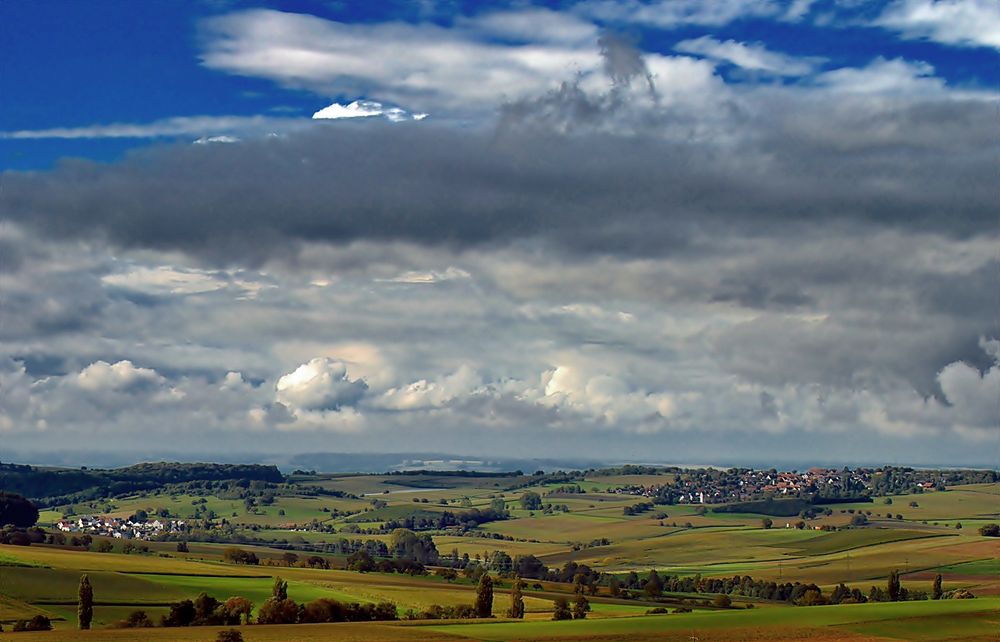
<point>235,555</point>
<point>276,611</point>
<point>561,611</point>
<point>722,601</point>
<point>134,620</point>
<point>16,510</point>
<point>231,635</point>
<point>990,530</point>
<point>37,623</point>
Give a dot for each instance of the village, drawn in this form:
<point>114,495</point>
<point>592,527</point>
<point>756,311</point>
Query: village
<point>710,486</point>
<point>121,528</point>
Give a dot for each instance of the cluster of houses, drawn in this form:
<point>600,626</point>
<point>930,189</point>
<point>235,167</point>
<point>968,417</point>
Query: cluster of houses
<point>716,486</point>
<point>119,527</point>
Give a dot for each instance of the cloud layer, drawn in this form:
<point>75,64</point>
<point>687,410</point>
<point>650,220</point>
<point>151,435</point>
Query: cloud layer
<point>593,248</point>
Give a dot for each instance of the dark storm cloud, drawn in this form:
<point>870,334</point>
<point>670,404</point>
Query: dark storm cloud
<point>622,195</point>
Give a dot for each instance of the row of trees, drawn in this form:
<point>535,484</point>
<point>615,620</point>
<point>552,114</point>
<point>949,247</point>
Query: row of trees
<point>654,585</point>
<point>464,520</point>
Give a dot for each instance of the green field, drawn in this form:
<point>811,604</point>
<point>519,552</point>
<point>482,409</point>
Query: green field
<point>685,540</point>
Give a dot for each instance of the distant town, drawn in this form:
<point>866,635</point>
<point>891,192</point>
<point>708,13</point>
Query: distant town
<point>710,486</point>
<point>121,528</point>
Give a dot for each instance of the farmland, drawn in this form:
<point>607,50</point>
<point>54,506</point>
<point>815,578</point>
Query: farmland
<point>590,527</point>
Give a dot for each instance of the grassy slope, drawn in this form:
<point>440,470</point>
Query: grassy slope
<point>723,544</point>
<point>791,617</point>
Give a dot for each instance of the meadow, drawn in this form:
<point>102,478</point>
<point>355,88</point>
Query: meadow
<point>589,527</point>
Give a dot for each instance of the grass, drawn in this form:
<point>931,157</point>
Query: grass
<point>44,579</point>
<point>977,567</point>
<point>834,542</point>
<point>820,616</point>
<point>343,632</point>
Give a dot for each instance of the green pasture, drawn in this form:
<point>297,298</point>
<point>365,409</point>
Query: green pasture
<point>975,567</point>
<point>819,616</point>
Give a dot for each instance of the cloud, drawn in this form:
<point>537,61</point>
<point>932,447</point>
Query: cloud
<point>669,14</point>
<point>321,384</point>
<point>963,23</point>
<point>210,128</point>
<point>973,398</point>
<point>532,25</point>
<point>424,395</point>
<point>123,375</point>
<point>165,280</point>
<point>751,57</point>
<point>431,68</point>
<point>365,109</point>
<point>606,398</point>
<point>418,277</point>
<point>881,76</point>
<point>639,247</point>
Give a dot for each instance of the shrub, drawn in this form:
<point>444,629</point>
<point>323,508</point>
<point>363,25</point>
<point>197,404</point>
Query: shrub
<point>134,620</point>
<point>230,635</point>
<point>561,611</point>
<point>37,623</point>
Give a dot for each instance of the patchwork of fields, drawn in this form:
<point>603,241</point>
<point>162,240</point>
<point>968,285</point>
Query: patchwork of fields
<point>586,528</point>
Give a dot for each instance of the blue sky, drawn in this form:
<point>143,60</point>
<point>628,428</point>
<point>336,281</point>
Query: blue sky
<point>128,63</point>
<point>645,229</point>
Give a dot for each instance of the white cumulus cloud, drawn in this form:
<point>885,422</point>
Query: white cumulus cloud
<point>752,57</point>
<point>122,375</point>
<point>964,23</point>
<point>321,384</point>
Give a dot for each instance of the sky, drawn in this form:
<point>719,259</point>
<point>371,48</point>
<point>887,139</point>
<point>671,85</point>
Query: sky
<point>665,230</point>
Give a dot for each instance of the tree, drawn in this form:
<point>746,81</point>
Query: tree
<point>654,585</point>
<point>16,510</point>
<point>136,620</point>
<point>580,607</point>
<point>990,530</point>
<point>279,590</point>
<point>722,601</point>
<point>37,623</point>
<point>937,591</point>
<point>236,555</point>
<point>237,609</point>
<point>105,546</point>
<point>892,587</point>
<point>531,501</point>
<point>205,610</point>
<point>278,611</point>
<point>484,597</point>
<point>767,522</point>
<point>516,600</point>
<point>614,587</point>
<point>561,610</point>
<point>182,547</point>
<point>85,603</point>
<point>181,614</point>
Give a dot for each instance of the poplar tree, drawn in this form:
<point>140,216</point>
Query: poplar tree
<point>85,605</point>
<point>893,586</point>
<point>516,600</point>
<point>484,597</point>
